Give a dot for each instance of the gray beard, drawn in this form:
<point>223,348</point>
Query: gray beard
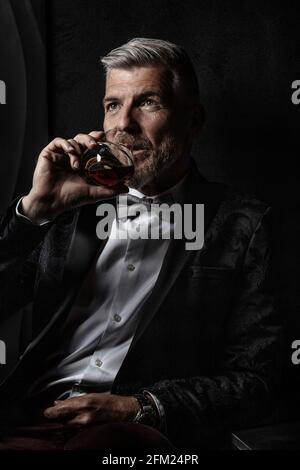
<point>156,163</point>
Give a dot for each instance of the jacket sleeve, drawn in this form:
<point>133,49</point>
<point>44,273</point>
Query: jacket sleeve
<point>248,364</point>
<point>20,244</point>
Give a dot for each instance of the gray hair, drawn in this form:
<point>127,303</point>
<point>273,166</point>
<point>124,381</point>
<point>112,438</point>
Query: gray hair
<point>141,52</point>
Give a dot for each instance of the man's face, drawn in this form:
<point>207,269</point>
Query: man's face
<point>142,106</point>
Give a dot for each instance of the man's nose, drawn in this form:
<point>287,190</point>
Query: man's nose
<point>127,122</point>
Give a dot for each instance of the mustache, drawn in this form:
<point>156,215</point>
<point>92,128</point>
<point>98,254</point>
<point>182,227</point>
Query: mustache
<point>133,142</point>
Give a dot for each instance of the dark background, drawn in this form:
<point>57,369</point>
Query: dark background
<point>246,55</point>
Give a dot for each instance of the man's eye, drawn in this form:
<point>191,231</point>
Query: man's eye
<point>112,107</point>
<point>148,103</point>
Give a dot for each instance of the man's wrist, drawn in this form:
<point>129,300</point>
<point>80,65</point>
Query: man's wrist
<point>132,407</point>
<point>27,208</point>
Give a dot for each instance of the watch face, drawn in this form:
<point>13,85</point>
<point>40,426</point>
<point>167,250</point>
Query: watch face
<point>147,416</point>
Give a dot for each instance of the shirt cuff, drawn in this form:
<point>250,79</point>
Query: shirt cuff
<point>160,410</point>
<point>21,216</point>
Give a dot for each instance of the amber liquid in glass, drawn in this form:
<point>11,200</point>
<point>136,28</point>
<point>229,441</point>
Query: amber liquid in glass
<point>107,174</point>
<point>101,167</point>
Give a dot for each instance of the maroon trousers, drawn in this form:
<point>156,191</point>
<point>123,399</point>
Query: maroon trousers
<point>129,437</point>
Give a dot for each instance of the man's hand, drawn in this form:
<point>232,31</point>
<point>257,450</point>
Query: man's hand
<point>57,186</point>
<point>93,408</point>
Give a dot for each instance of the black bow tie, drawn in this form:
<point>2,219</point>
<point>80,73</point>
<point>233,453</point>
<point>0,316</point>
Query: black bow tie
<point>147,201</point>
<point>130,200</point>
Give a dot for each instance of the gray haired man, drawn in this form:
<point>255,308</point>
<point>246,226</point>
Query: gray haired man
<point>137,341</point>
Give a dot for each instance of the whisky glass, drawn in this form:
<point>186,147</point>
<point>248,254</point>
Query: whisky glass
<point>108,163</point>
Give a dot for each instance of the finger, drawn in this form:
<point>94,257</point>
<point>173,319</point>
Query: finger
<point>68,147</point>
<point>85,140</point>
<point>60,144</point>
<point>54,157</point>
<point>75,156</point>
<point>60,411</point>
<point>76,146</point>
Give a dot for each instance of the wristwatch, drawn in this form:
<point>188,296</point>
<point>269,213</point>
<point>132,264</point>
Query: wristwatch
<point>147,413</point>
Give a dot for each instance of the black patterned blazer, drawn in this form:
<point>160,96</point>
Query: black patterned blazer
<point>207,344</point>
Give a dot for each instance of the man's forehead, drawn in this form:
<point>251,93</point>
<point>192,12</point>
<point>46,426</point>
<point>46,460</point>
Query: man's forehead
<point>136,78</point>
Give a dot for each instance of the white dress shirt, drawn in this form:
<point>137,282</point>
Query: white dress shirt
<point>100,326</point>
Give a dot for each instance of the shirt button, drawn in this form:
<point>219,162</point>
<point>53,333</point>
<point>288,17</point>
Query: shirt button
<point>131,267</point>
<point>98,362</point>
<point>117,317</point>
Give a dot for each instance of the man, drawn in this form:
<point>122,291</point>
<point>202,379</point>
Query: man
<point>182,343</point>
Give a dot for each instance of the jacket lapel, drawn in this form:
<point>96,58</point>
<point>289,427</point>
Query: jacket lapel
<point>81,245</point>
<point>84,246</point>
